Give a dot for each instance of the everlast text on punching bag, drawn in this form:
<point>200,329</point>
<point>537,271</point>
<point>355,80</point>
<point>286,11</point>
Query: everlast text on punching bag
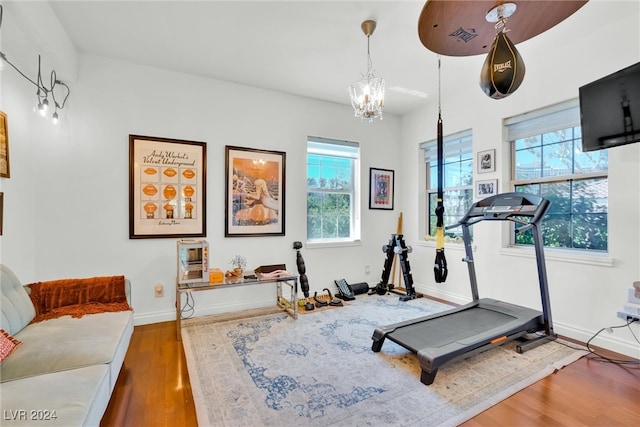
<point>503,70</point>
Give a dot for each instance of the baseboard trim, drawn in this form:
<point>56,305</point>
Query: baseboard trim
<point>203,310</point>
<point>443,295</point>
<point>603,340</point>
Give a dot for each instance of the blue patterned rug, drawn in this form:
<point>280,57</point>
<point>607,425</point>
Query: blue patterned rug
<point>319,370</point>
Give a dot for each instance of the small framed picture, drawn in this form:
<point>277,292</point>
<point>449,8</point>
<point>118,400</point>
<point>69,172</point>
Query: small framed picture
<point>486,161</point>
<point>486,188</point>
<point>381,185</point>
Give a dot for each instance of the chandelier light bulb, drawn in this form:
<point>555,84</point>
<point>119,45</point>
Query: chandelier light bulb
<point>367,92</point>
<point>55,118</point>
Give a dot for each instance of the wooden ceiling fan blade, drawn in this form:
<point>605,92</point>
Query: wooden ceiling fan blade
<point>460,28</point>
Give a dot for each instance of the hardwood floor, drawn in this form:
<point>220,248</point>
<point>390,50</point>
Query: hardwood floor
<point>154,390</point>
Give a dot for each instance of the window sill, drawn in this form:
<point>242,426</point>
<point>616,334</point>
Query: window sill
<point>561,255</point>
<point>333,244</point>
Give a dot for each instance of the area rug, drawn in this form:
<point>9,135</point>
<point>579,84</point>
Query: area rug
<point>272,370</point>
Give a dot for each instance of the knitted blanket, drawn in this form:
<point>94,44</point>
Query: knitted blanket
<point>78,297</point>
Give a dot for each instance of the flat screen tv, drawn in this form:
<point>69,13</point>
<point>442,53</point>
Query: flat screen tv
<point>610,110</point>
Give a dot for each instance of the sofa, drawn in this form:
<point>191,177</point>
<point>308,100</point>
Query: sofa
<point>63,345</point>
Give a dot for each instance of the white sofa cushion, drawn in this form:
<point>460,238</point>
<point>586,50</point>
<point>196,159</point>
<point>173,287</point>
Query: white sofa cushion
<point>15,304</point>
<point>77,397</point>
<point>68,343</point>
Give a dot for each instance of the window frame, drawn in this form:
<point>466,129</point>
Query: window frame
<point>537,123</point>
<point>345,149</point>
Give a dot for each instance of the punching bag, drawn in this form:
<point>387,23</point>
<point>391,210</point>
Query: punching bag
<point>503,70</point>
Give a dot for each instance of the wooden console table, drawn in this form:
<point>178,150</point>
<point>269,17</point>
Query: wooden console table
<point>289,305</point>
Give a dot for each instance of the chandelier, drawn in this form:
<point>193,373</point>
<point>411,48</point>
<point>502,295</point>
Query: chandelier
<point>367,94</point>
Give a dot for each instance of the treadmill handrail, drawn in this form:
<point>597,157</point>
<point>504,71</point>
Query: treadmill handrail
<point>459,223</point>
<point>429,360</point>
<point>534,223</point>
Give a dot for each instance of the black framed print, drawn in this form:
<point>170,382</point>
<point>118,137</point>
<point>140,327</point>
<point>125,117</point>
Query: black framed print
<point>381,187</point>
<point>486,188</point>
<point>167,188</point>
<point>487,161</point>
<point>254,192</point>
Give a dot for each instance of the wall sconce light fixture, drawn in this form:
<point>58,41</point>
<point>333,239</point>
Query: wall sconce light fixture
<point>43,91</point>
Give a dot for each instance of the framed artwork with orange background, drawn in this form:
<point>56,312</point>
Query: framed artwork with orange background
<point>167,188</point>
<point>255,192</point>
<point>4,146</point>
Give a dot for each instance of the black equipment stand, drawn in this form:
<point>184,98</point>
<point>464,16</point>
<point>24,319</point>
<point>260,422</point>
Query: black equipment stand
<point>397,246</point>
<point>483,323</point>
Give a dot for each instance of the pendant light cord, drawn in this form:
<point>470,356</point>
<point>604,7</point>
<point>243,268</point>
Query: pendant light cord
<point>369,63</point>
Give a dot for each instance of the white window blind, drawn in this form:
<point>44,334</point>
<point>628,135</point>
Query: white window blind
<point>454,145</point>
<point>332,147</point>
<point>560,116</point>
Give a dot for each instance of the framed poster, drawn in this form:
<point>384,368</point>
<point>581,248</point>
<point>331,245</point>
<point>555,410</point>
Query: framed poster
<point>486,188</point>
<point>255,192</point>
<point>167,188</point>
<point>486,161</point>
<point>4,146</point>
<point>381,185</point>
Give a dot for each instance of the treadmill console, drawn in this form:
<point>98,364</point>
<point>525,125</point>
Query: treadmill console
<point>507,205</point>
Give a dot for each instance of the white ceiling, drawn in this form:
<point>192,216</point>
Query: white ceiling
<point>308,48</point>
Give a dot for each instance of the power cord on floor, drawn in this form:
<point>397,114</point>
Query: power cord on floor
<point>609,359</point>
<point>189,307</point>
<point>597,355</point>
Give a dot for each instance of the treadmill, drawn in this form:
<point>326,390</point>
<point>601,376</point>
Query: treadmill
<point>483,323</point>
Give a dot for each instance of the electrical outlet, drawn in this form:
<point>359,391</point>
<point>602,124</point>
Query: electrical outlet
<point>158,290</point>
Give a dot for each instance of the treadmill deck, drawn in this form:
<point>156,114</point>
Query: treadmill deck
<point>462,331</point>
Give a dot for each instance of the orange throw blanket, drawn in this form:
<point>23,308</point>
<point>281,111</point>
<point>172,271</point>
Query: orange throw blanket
<point>77,297</point>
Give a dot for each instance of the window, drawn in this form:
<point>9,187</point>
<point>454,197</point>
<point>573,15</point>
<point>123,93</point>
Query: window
<point>548,161</point>
<point>333,171</point>
<point>457,180</point>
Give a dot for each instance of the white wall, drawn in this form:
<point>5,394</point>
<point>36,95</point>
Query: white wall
<point>74,179</point>
<point>66,203</point>
<point>586,292</point>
